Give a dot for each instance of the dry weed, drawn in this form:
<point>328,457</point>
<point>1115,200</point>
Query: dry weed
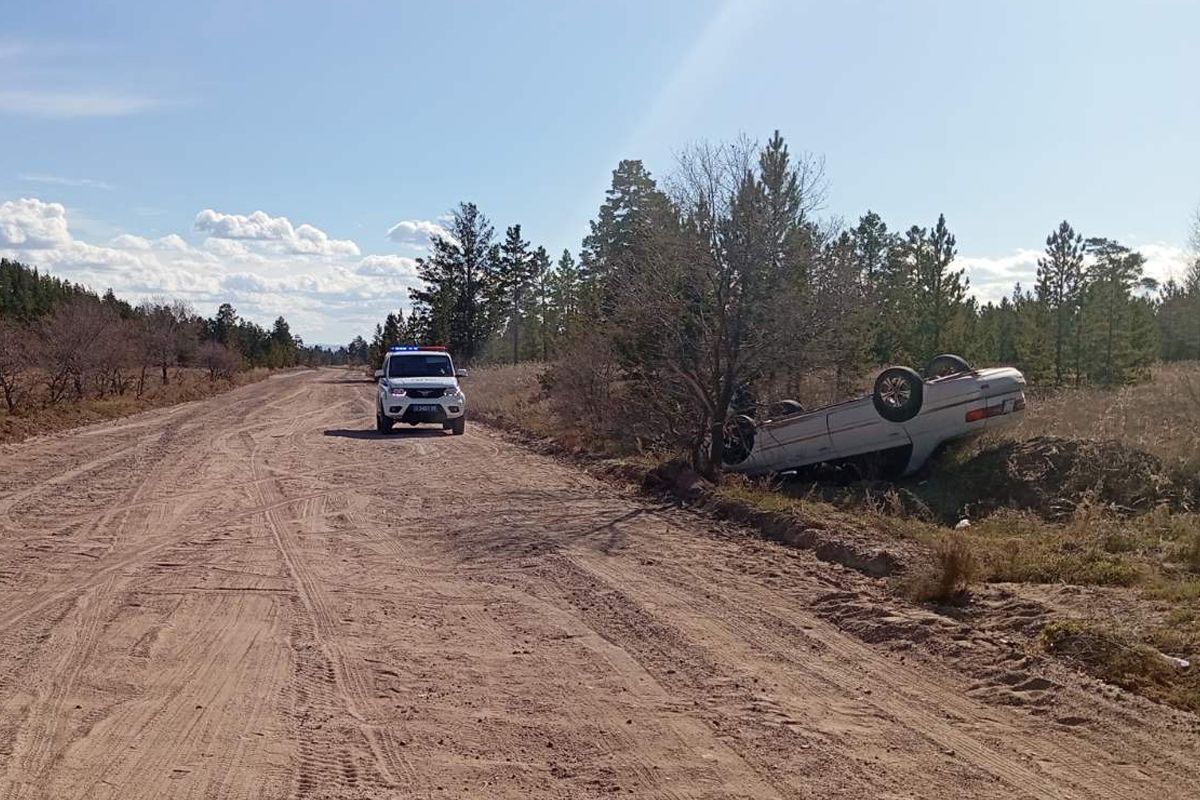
<point>950,577</point>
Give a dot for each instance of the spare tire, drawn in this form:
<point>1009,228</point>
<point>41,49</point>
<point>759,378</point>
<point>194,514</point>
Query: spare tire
<point>945,364</point>
<point>899,393</point>
<point>737,439</point>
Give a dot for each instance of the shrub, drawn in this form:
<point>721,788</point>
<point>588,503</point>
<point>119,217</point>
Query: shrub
<point>950,576</point>
<point>1112,658</point>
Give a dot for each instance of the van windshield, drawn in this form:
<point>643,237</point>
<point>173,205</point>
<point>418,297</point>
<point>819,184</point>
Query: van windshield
<point>420,366</point>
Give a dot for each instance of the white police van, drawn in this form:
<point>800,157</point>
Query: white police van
<point>419,385</point>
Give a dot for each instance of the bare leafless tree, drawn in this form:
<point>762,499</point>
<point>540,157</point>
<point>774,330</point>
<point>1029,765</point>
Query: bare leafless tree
<point>80,341</point>
<point>217,359</point>
<point>167,333</point>
<point>1193,276</point>
<point>18,360</point>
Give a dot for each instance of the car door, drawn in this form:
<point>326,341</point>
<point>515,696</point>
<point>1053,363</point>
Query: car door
<point>856,428</point>
<point>794,441</point>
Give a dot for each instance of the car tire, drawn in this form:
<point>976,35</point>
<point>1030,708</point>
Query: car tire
<point>383,423</point>
<point>784,408</point>
<point>945,364</point>
<point>737,439</point>
<point>458,427</point>
<point>899,393</point>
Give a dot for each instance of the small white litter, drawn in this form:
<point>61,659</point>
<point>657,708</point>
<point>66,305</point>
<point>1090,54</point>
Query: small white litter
<point>962,524</point>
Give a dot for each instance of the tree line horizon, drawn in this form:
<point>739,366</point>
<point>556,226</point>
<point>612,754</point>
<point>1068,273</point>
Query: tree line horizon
<point>722,275</point>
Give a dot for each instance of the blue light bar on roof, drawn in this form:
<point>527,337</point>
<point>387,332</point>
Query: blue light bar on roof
<point>403,348</point>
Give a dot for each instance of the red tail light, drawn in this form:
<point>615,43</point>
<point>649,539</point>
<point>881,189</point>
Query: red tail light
<point>983,413</point>
<point>976,414</point>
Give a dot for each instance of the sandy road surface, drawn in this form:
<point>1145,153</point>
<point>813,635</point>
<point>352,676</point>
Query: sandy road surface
<point>254,596</point>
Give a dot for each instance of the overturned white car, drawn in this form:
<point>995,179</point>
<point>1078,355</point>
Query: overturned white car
<point>895,429</point>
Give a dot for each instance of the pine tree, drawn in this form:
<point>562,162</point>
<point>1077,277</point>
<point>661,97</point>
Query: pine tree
<point>1112,352</point>
<point>377,348</point>
<point>27,295</point>
<point>460,284</point>
<point>1179,319</point>
<point>929,314</point>
<point>564,297</point>
<point>358,351</point>
<point>393,330</point>
<point>282,349</point>
<point>940,291</point>
<point>538,303</point>
<point>1033,342</point>
<point>998,333</point>
<point>886,289</point>
<point>224,327</point>
<point>513,281</point>
<point>1060,278</point>
<point>632,211</point>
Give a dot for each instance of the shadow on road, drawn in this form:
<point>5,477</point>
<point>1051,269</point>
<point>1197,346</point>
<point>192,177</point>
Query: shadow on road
<point>399,433</point>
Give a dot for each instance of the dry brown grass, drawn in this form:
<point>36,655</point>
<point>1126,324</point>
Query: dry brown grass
<point>1131,664</point>
<point>948,579</point>
<point>577,415</point>
<point>1161,416</point>
<point>185,385</point>
<point>511,397</point>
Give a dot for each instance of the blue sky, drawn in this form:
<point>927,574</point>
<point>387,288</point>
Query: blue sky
<point>137,139</point>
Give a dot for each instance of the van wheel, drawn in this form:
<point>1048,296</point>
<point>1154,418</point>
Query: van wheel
<point>459,426</point>
<point>383,423</point>
<point>899,392</point>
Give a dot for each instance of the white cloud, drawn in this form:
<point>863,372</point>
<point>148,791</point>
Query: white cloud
<point>224,247</point>
<point>994,277</point>
<point>57,180</point>
<point>396,266</point>
<point>416,232</point>
<point>173,241</point>
<point>1165,261</point>
<point>72,104</point>
<point>277,231</point>
<point>326,289</point>
<point>128,241</point>
<point>29,222</point>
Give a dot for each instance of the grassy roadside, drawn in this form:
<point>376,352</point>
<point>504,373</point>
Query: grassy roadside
<point>1095,489</point>
<point>186,385</point>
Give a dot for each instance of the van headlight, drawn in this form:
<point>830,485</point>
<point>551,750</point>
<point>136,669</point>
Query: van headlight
<point>397,392</point>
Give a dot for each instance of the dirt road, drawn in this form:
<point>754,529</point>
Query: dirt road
<point>257,597</point>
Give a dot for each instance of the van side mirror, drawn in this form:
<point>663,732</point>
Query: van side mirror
<point>460,373</point>
<point>378,373</point>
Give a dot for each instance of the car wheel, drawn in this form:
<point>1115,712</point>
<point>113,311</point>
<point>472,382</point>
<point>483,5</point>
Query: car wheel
<point>899,392</point>
<point>945,364</point>
<point>383,423</point>
<point>784,408</point>
<point>459,426</point>
<point>737,439</point>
